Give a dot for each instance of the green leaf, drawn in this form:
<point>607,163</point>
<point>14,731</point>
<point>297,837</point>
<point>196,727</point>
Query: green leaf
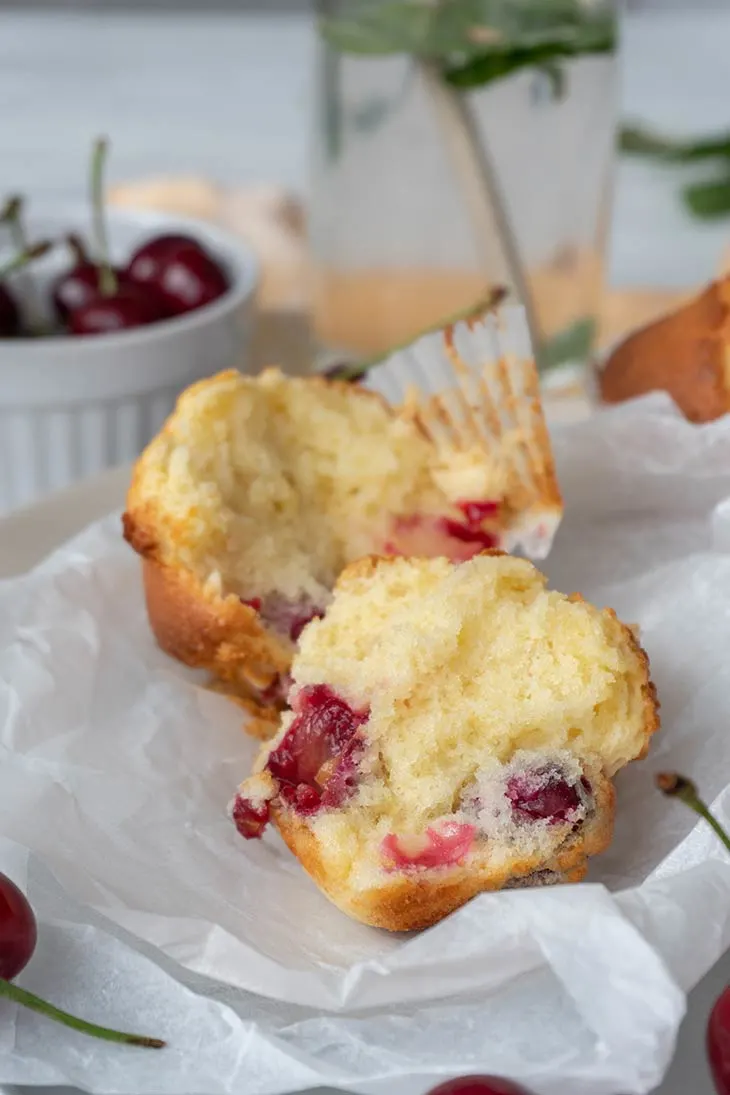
<point>398,27</point>
<point>460,32</point>
<point>708,200</point>
<point>573,344</point>
<point>637,141</point>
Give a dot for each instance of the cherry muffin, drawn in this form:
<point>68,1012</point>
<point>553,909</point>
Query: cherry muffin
<point>454,728</point>
<point>259,490</point>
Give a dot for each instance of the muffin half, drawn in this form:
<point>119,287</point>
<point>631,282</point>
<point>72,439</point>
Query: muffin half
<point>454,728</point>
<point>259,490</point>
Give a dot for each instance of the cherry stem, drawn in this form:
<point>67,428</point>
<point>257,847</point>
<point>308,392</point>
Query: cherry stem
<point>76,246</point>
<point>29,1000</point>
<point>24,258</point>
<point>107,277</point>
<point>12,215</point>
<point>673,785</point>
<point>483,305</point>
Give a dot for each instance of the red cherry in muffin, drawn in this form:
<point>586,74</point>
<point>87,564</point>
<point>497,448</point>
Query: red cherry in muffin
<point>315,765</point>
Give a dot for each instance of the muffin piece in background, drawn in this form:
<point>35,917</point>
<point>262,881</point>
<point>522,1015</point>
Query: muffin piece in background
<point>685,353</point>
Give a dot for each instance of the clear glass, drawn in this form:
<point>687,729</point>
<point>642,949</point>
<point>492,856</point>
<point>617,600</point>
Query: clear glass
<point>399,238</point>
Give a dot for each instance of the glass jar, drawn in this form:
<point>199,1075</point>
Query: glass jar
<point>427,196</point>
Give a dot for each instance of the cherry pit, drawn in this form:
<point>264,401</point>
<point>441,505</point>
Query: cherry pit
<point>166,276</point>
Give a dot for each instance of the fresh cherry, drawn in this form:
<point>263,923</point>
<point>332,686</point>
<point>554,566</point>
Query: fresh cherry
<point>718,1043</point>
<point>10,320</point>
<point>78,285</point>
<point>479,1085</point>
<point>145,265</point>
<point>128,306</point>
<point>11,323</point>
<point>180,270</point>
<point>18,935</point>
<point>18,931</point>
<point>718,1025</point>
<point>108,300</point>
<point>190,279</point>
<point>9,315</point>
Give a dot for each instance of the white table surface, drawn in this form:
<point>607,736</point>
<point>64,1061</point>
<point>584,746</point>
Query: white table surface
<point>234,96</point>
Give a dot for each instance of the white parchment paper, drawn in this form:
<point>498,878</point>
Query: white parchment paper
<point>116,767</point>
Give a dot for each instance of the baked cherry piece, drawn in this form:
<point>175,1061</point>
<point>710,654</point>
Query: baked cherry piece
<point>479,1085</point>
<point>544,794</point>
<point>128,306</point>
<point>250,819</point>
<point>314,747</point>
<point>442,846</point>
<point>315,764</point>
<point>18,935</point>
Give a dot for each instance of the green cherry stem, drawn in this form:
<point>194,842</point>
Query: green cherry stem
<point>107,277</point>
<point>29,1000</point>
<point>19,261</point>
<point>12,216</point>
<point>673,785</point>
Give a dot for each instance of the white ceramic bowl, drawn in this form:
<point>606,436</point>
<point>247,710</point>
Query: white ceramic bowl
<point>70,407</point>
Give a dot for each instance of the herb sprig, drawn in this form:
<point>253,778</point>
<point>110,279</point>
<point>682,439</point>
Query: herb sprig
<point>475,41</point>
<point>706,199</point>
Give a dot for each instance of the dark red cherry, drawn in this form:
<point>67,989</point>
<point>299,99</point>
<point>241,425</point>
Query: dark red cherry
<point>77,288</point>
<point>190,279</point>
<point>718,1043</point>
<point>544,794</point>
<point>250,819</point>
<point>180,269</point>
<point>316,762</point>
<point>9,314</point>
<point>146,262</point>
<point>130,306</point>
<point>18,931</point>
<point>479,1085</point>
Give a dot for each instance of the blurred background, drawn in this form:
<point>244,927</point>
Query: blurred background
<point>381,189</point>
